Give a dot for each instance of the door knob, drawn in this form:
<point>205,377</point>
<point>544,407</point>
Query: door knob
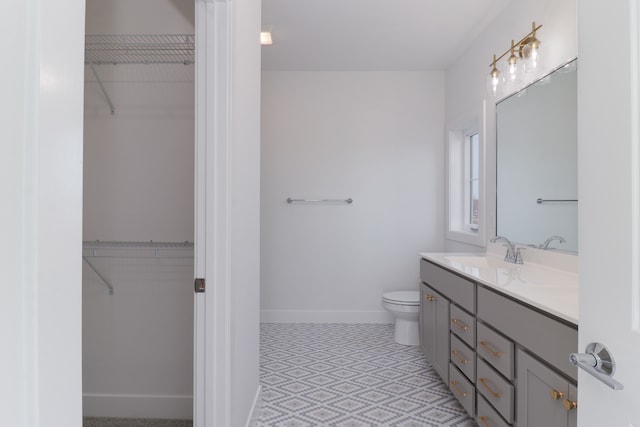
<point>598,362</point>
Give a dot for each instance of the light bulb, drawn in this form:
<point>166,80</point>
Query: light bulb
<point>513,64</point>
<point>494,80</point>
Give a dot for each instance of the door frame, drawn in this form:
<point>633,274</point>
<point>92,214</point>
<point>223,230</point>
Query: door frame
<point>41,214</point>
<point>212,358</point>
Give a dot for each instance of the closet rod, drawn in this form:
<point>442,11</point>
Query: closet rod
<point>105,281</point>
<point>104,91</point>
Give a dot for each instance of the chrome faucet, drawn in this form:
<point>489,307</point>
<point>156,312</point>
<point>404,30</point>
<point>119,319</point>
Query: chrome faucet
<point>513,254</point>
<point>545,245</point>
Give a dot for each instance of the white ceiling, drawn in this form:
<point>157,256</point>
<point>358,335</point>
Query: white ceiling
<point>372,34</point>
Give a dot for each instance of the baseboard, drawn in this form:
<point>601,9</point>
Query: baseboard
<point>137,406</point>
<point>328,316</point>
<point>256,409</point>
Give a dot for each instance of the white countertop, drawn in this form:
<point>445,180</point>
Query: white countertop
<point>550,289</point>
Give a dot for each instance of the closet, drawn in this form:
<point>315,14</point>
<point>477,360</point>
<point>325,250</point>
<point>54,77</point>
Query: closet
<point>138,209</point>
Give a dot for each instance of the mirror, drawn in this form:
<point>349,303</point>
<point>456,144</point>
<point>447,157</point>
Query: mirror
<point>537,162</point>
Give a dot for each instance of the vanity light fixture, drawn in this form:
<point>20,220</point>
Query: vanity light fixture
<point>524,57</point>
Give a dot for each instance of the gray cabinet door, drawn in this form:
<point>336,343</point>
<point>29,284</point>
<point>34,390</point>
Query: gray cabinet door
<point>573,414</point>
<point>427,322</point>
<point>434,330</point>
<point>540,396</point>
<point>441,358</point>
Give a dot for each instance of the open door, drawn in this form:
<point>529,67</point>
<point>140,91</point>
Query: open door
<point>609,188</point>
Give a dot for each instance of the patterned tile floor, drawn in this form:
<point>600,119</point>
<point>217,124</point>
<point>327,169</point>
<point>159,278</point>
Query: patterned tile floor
<point>346,375</point>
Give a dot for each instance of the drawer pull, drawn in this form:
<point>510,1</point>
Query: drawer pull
<point>495,394</point>
<point>556,395</point>
<point>569,404</point>
<point>454,386</point>
<point>459,324</point>
<point>485,345</point>
<point>483,421</point>
<point>429,297</point>
<point>460,358</point>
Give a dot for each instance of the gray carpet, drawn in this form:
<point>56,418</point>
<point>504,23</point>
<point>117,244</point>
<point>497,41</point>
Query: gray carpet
<point>133,422</point>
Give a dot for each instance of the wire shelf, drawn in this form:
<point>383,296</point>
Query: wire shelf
<point>119,249</point>
<point>104,244</point>
<point>131,250</point>
<point>140,49</point>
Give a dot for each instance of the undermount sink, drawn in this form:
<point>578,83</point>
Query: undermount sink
<point>480,261</point>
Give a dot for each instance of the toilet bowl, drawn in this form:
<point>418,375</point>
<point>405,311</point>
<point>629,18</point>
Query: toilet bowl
<point>405,308</point>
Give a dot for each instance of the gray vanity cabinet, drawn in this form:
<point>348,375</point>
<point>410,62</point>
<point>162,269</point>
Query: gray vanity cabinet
<point>506,361</point>
<point>544,397</point>
<point>434,330</point>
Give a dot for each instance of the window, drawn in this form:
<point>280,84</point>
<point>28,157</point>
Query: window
<point>472,177</point>
<point>465,188</point>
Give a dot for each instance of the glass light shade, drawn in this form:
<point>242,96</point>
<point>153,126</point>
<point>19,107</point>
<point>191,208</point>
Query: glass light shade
<point>513,66</point>
<point>514,71</point>
<point>495,83</point>
<point>532,56</point>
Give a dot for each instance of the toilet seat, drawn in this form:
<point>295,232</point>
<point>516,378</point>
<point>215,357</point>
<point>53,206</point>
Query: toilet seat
<point>411,298</point>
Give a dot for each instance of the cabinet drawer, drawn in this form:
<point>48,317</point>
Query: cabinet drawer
<point>487,416</point>
<point>495,349</point>
<point>454,287</point>
<point>463,325</point>
<point>549,338</point>
<point>463,357</point>
<point>494,388</point>
<point>462,389</point>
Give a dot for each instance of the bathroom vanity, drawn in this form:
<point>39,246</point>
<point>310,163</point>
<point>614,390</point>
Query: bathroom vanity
<point>500,335</point>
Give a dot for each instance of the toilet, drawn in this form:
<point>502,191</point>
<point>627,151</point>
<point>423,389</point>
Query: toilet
<point>405,308</point>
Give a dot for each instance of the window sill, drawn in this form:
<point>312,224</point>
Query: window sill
<point>470,237</point>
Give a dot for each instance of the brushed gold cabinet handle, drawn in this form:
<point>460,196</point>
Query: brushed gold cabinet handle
<point>556,395</point>
<point>483,420</point>
<point>454,386</point>
<point>460,358</point>
<point>495,394</point>
<point>485,345</point>
<point>459,324</point>
<point>429,297</point>
<point>569,404</point>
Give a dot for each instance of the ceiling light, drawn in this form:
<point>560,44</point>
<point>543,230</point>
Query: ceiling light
<point>265,38</point>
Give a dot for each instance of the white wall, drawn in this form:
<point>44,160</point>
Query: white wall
<point>376,137</point>
<point>465,79</point>
<point>138,343</point>
<point>138,171</point>
<point>139,186</point>
<point>140,17</point>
